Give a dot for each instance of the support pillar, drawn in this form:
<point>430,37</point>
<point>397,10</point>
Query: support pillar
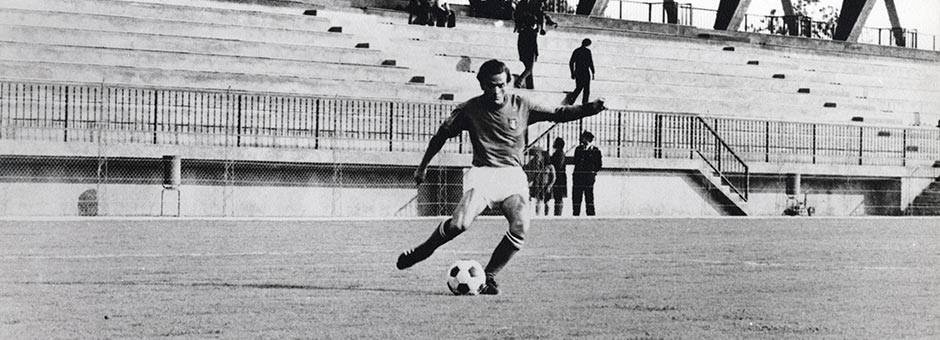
<point>790,19</point>
<point>896,29</point>
<point>852,18</point>
<point>731,14</point>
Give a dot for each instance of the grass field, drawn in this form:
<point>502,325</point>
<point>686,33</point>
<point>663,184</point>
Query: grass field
<point>595,278</point>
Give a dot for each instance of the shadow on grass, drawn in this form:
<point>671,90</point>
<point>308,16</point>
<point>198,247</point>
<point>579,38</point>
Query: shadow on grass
<point>312,287</point>
<point>353,287</point>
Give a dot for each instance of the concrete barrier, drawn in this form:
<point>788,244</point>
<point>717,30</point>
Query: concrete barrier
<point>211,46</point>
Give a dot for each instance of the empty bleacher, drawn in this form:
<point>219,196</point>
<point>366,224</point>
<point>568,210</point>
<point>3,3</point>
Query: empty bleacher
<point>217,45</point>
<point>219,74</point>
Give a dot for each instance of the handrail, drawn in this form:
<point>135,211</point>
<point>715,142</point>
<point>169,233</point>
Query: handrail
<point>720,140</point>
<point>80,112</point>
<point>739,185</point>
<point>687,14</point>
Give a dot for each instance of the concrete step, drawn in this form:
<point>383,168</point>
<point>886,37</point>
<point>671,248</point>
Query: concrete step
<point>927,200</point>
<point>275,7</point>
<point>213,46</point>
<point>188,13</point>
<point>645,75</point>
<point>902,101</point>
<point>138,76</point>
<point>927,203</point>
<point>172,77</point>
<point>691,65</point>
<point>175,28</point>
<point>629,47</point>
<point>201,62</point>
<point>698,98</point>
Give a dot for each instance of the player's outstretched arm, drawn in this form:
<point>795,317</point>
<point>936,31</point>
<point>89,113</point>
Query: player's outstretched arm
<point>569,113</point>
<point>451,127</point>
<point>434,146</point>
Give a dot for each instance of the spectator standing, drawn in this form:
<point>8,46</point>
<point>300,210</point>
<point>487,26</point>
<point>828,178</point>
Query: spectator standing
<point>541,177</point>
<point>582,71</point>
<point>443,15</point>
<point>560,188</point>
<point>527,25</point>
<point>587,162</point>
<point>419,12</point>
<point>672,11</point>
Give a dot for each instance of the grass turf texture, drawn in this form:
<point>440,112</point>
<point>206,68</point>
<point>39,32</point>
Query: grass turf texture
<point>622,278</point>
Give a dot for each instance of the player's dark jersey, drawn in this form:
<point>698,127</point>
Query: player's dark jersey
<point>498,133</point>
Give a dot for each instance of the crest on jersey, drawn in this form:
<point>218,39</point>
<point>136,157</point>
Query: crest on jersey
<point>513,123</point>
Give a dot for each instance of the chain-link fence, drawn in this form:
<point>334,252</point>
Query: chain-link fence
<point>97,149</point>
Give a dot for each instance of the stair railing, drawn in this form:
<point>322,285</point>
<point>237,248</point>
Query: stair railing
<point>711,148</point>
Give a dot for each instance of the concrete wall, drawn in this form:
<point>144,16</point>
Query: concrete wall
<point>828,195</point>
<point>633,192</point>
<point>53,186</point>
<point>64,186</point>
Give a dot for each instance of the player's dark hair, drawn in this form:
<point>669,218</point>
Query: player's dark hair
<point>588,135</point>
<point>586,42</point>
<point>493,67</point>
<point>559,143</point>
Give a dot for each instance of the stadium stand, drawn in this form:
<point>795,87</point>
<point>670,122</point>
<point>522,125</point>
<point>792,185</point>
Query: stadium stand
<point>84,41</point>
<point>763,103</point>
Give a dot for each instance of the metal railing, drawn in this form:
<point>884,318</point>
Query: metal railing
<point>115,114</point>
<point>889,37</point>
<point>796,25</point>
<point>711,148</point>
<point>792,25</point>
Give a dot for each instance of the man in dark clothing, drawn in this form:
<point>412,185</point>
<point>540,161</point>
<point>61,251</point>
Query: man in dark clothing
<point>560,188</point>
<point>582,71</point>
<point>419,12</point>
<point>527,24</point>
<point>587,161</point>
<point>443,15</point>
<point>672,11</point>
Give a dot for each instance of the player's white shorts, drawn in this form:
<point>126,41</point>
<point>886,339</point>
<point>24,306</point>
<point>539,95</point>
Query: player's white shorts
<point>493,185</point>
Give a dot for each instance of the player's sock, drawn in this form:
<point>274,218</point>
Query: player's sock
<point>509,245</point>
<point>444,232</point>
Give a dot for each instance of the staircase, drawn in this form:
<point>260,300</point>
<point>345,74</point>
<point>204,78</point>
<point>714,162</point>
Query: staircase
<point>725,174</point>
<point>928,202</point>
<point>728,199</point>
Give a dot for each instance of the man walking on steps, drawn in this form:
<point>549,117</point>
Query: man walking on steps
<point>582,71</point>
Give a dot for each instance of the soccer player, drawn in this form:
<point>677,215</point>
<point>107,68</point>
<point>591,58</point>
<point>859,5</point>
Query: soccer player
<point>497,121</point>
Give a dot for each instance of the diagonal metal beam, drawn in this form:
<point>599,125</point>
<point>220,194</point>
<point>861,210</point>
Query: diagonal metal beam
<point>600,6</point>
<point>731,14</point>
<point>896,27</point>
<point>852,18</point>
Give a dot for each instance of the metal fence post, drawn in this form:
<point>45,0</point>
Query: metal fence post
<point>814,143</point>
<point>66,122</point>
<point>692,132</point>
<point>658,137</point>
<point>391,130</point>
<point>619,130</point>
<point>904,147</point>
<point>860,144</point>
<point>767,141</point>
<point>156,117</point>
<point>238,122</point>
<point>316,123</point>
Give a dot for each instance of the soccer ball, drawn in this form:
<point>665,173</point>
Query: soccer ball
<point>465,277</point>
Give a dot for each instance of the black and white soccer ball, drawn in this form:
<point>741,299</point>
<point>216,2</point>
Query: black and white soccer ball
<point>465,277</point>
